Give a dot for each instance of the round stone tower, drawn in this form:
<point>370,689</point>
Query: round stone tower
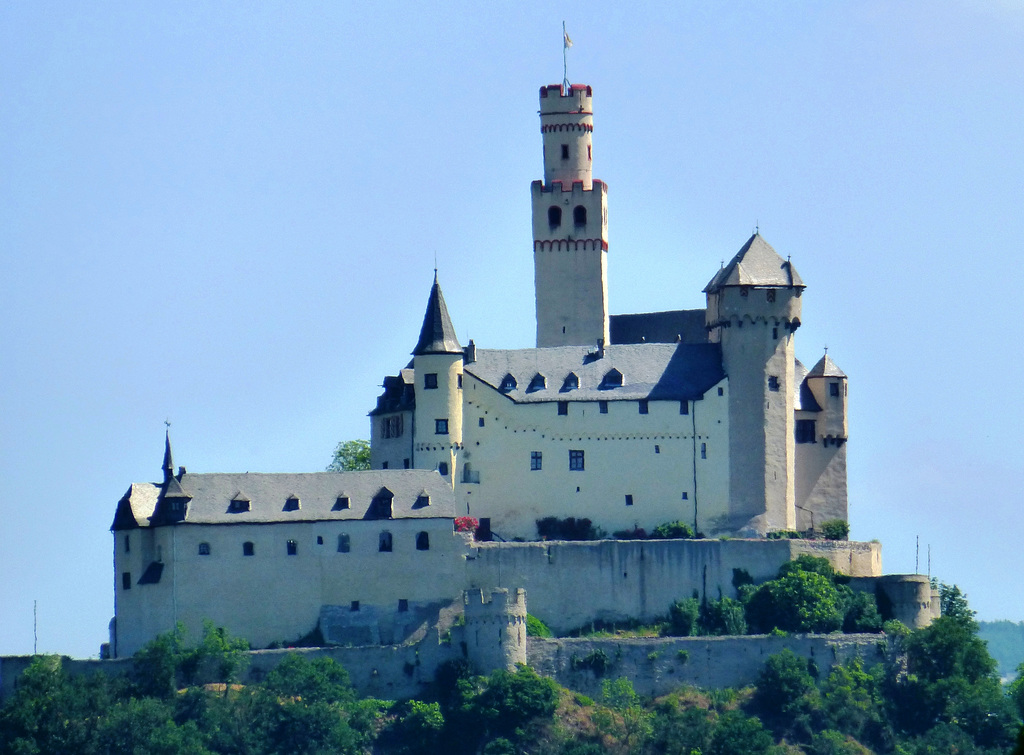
<point>570,224</point>
<point>495,629</point>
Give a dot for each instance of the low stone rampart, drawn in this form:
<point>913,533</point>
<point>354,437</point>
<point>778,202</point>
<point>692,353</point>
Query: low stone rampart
<point>656,666</point>
<point>571,584</point>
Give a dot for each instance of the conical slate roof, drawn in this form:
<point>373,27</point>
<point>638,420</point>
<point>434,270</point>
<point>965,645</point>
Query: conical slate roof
<point>437,336</point>
<point>168,459</point>
<point>826,368</point>
<point>756,264</point>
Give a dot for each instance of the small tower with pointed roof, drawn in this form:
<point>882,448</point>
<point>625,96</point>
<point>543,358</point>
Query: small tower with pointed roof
<point>822,432</point>
<point>753,311</point>
<point>570,224</point>
<point>437,366</point>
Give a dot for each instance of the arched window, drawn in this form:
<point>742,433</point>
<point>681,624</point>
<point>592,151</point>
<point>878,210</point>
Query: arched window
<point>384,542</point>
<point>554,216</point>
<point>579,215</point>
<point>423,541</point>
<point>344,543</point>
<point>204,549</point>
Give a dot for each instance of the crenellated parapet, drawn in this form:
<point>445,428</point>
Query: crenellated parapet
<point>495,628</point>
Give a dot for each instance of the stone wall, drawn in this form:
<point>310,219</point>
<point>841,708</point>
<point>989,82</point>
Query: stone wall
<point>616,580</point>
<point>657,666</point>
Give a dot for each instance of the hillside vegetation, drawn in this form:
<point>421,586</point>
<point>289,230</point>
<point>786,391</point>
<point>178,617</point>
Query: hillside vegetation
<point>942,696</point>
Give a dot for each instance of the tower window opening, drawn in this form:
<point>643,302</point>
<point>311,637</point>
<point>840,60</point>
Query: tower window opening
<point>127,544</point>
<point>805,431</point>
<point>554,216</point>
<point>588,153</point>
<point>833,389</point>
<point>442,468</point>
<point>773,383</point>
<point>579,215</point>
<point>629,499</point>
<point>248,549</point>
<point>126,580</point>
<point>684,407</point>
<point>430,380</point>
<point>775,333</point>
<point>440,427</point>
<point>602,407</point>
<point>563,408</point>
<point>644,408</point>
<point>384,542</point>
<point>565,151</point>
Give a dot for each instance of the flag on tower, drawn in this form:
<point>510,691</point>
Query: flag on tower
<point>568,42</point>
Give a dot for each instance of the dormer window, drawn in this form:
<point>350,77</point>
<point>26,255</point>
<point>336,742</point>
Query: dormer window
<point>571,382</point>
<point>508,383</point>
<point>538,383</point>
<point>239,504</point>
<point>422,501</point>
<point>612,379</point>
<point>292,504</point>
<point>342,503</point>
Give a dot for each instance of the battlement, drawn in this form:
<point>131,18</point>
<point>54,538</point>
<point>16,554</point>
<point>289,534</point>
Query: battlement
<point>576,187</point>
<point>555,99</point>
<point>499,602</point>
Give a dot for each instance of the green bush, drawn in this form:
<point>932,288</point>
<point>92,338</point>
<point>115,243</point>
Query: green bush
<point>835,529</point>
<point>800,601</point>
<point>536,628</point>
<point>672,530</point>
<point>682,618</point>
<point>570,528</point>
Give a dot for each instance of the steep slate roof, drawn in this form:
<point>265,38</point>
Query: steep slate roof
<point>652,370</point>
<point>756,264</point>
<point>437,336</point>
<point>826,368</point>
<point>659,327</point>
<point>804,399</point>
<point>317,492</point>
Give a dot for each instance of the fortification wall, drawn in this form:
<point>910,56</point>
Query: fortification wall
<point>618,580</point>
<point>657,666</point>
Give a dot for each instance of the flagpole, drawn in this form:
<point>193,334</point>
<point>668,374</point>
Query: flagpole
<point>565,63</point>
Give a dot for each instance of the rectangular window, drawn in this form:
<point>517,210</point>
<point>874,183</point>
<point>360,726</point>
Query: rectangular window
<point>536,460</point>
<point>355,605</point>
<point>126,580</point>
<point>204,549</point>
<point>833,389</point>
<point>440,427</point>
<point>773,383</point>
<point>383,465</point>
<point>442,468</point>
<point>602,406</point>
<point>405,463</point>
<point>391,427</point>
<point>575,461</point>
<point>703,450</point>
<point>775,333</point>
<point>643,406</point>
<point>684,407</point>
<point>589,157</point>
<point>430,380</point>
<point>629,499</point>
<point>127,544</point>
<point>771,294</point>
<point>292,547</point>
<point>344,543</point>
<point>458,381</point>
<point>685,495</point>
<point>657,449</point>
<point>805,431</point>
<point>481,422</point>
<point>248,549</point>
<point>403,605</point>
<point>565,151</point>
<point>563,408</point>
<point>319,539</point>
<point>721,391</point>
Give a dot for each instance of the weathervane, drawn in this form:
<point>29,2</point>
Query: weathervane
<point>566,44</point>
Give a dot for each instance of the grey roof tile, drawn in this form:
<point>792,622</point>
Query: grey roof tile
<point>437,336</point>
<point>319,491</point>
<point>653,371</point>
<point>685,325</point>
<point>756,264</point>
<point>826,368</point>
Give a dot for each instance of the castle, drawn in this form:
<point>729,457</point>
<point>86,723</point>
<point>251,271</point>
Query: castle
<point>702,416</point>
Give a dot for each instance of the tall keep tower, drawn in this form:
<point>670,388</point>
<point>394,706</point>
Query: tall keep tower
<point>753,311</point>
<point>570,224</point>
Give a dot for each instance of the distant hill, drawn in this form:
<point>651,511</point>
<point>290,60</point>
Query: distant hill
<point>1005,643</point>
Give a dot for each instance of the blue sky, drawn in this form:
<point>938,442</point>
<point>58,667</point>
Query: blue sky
<point>227,215</point>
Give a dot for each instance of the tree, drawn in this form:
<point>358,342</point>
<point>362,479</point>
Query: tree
<point>800,601</point>
<point>350,456</point>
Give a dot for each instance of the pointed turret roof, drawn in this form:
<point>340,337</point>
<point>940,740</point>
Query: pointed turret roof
<point>437,336</point>
<point>826,368</point>
<point>756,264</point>
<point>168,459</point>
